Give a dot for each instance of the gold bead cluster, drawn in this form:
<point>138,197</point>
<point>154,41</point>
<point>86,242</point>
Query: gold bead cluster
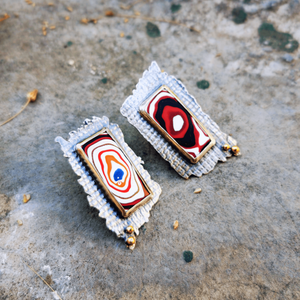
<point>131,241</point>
<point>235,149</point>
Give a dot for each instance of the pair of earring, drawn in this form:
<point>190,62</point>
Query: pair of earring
<point>171,120</point>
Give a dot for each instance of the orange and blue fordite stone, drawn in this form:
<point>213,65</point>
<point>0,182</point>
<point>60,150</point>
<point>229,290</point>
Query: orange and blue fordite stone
<point>114,169</point>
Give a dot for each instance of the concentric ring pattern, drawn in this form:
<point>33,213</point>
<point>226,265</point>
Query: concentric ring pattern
<point>177,122</point>
<point>116,171</point>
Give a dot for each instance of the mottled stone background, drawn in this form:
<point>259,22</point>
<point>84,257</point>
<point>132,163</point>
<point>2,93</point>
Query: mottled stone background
<point>243,229</point>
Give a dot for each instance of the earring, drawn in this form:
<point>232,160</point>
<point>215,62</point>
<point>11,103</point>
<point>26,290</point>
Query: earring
<point>171,120</point>
<point>112,176</point>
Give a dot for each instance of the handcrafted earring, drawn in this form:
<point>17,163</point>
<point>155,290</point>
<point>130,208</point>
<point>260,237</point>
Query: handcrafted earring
<point>112,176</point>
<point>171,120</point>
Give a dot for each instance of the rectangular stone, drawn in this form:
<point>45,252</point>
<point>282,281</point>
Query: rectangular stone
<point>115,172</point>
<point>177,124</point>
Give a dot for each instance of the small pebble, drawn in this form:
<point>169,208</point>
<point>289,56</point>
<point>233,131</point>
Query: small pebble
<point>84,21</point>
<point>287,57</point>
<point>152,30</point>
<point>188,256</point>
<point>239,15</point>
<point>109,13</point>
<point>70,8</point>
<point>288,46</point>
<point>67,18</point>
<point>126,20</point>
<point>203,84</point>
<point>122,34</point>
<point>281,41</point>
<point>175,224</point>
<point>52,27</point>
<point>104,80</point>
<point>175,8</point>
<point>26,198</point>
<point>197,191</point>
<point>71,62</point>
<point>20,223</point>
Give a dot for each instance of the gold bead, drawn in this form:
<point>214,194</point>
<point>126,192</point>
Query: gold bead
<point>235,150</point>
<point>130,229</point>
<point>130,241</point>
<point>226,147</point>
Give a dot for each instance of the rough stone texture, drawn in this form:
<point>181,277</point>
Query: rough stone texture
<point>243,229</point>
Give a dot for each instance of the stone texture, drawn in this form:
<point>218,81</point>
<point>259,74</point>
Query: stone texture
<point>243,229</point>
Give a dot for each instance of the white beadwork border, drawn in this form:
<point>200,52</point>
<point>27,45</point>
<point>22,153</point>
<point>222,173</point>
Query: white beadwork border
<point>95,196</point>
<point>152,79</point>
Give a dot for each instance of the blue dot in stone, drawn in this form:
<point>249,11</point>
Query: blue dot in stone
<point>118,175</point>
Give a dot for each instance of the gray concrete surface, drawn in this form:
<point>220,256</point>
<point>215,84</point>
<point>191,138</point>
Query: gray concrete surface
<point>243,229</point>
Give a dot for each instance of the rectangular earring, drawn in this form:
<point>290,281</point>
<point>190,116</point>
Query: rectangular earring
<point>112,176</point>
<point>171,120</point>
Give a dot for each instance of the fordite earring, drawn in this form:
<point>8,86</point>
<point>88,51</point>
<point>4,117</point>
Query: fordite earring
<point>112,176</point>
<point>171,120</point>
